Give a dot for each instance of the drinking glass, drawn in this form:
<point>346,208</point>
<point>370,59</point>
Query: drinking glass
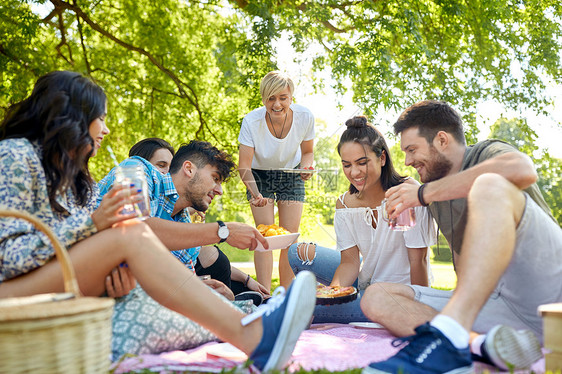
<point>133,176</point>
<point>405,220</point>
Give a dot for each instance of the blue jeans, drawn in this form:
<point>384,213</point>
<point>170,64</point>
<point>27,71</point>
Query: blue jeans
<point>324,266</point>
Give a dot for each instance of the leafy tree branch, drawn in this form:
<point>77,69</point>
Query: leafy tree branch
<point>60,6</point>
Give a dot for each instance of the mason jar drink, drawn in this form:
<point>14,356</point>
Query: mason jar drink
<point>133,176</point>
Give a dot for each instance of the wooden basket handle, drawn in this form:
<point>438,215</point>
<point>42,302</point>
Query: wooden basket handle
<point>68,274</point>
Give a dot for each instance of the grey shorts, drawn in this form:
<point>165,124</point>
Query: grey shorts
<point>533,278</point>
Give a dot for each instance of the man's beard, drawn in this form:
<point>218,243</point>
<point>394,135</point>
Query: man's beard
<point>437,167</point>
<point>194,196</point>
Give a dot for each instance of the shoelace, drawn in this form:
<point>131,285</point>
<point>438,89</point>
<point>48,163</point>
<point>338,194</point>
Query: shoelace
<point>419,348</point>
<point>272,304</point>
<point>400,341</point>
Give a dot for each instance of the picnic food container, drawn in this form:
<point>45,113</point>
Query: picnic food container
<point>55,333</point>
<point>335,300</point>
<point>276,236</point>
<point>552,327</point>
<point>278,242</point>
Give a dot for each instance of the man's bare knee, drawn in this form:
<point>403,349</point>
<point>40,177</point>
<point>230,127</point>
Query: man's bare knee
<point>306,252</point>
<point>491,186</point>
<point>208,255</point>
<point>382,291</point>
<point>379,297</point>
<point>495,193</point>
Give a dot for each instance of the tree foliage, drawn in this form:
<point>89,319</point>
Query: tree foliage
<point>182,69</point>
<point>517,132</point>
<point>328,183</point>
<point>398,52</point>
<point>173,69</point>
<point>170,68</point>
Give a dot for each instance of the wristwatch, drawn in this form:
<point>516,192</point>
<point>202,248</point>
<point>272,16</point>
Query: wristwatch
<point>223,231</point>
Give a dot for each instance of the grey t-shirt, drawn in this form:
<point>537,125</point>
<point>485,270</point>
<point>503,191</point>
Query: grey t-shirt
<point>451,214</point>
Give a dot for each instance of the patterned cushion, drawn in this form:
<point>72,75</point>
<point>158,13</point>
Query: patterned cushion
<point>141,325</point>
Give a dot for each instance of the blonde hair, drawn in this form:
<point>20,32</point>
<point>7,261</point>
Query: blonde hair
<point>273,83</point>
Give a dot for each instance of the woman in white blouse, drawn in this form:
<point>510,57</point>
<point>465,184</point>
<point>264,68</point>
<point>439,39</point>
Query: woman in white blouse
<point>368,250</point>
<point>279,135</point>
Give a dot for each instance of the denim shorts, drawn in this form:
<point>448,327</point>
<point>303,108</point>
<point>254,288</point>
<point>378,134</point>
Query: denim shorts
<point>278,185</point>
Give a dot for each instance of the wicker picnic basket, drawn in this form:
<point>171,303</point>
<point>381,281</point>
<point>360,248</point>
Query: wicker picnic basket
<point>55,333</point>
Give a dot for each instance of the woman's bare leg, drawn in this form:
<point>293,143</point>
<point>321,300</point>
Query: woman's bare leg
<point>263,261</point>
<point>160,274</point>
<point>290,213</point>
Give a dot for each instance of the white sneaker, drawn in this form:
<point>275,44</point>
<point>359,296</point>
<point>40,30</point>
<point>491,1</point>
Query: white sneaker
<point>510,349</point>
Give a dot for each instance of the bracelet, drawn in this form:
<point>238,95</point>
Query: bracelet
<point>420,195</point>
<point>246,281</point>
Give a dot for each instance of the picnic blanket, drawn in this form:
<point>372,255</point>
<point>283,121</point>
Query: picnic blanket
<point>334,347</point>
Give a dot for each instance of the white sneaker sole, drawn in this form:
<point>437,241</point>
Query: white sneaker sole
<point>511,349</point>
<point>298,313</point>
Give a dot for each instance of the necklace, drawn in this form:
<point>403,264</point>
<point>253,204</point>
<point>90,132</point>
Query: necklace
<point>273,127</point>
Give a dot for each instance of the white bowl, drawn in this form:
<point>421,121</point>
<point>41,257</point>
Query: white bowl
<point>278,241</point>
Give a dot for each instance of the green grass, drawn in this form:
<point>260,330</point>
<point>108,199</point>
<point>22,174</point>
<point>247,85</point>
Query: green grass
<point>235,254</point>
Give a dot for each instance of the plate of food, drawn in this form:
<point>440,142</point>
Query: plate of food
<point>299,171</point>
<point>277,237</point>
<point>366,325</point>
<point>331,295</point>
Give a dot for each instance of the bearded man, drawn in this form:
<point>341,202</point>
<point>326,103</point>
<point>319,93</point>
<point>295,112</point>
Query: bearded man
<point>196,174</point>
<point>507,252</point>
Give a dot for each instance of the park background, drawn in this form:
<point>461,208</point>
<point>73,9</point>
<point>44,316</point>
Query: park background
<point>183,70</point>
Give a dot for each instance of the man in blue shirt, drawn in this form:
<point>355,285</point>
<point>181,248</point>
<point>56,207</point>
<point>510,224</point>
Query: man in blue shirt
<point>195,178</point>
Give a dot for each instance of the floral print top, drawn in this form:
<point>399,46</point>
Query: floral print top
<point>23,187</point>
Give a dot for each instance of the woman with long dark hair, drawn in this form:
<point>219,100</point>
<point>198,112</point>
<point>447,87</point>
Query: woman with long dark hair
<point>45,143</point>
<point>368,250</point>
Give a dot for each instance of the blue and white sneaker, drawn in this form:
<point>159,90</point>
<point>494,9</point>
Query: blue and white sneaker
<point>284,317</point>
<point>510,349</point>
<point>429,351</point>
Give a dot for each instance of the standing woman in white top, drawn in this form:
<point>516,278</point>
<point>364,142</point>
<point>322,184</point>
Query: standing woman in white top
<point>278,135</point>
<point>368,251</point>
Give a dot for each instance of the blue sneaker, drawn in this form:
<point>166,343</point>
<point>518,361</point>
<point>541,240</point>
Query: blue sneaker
<point>429,351</point>
<point>284,317</point>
